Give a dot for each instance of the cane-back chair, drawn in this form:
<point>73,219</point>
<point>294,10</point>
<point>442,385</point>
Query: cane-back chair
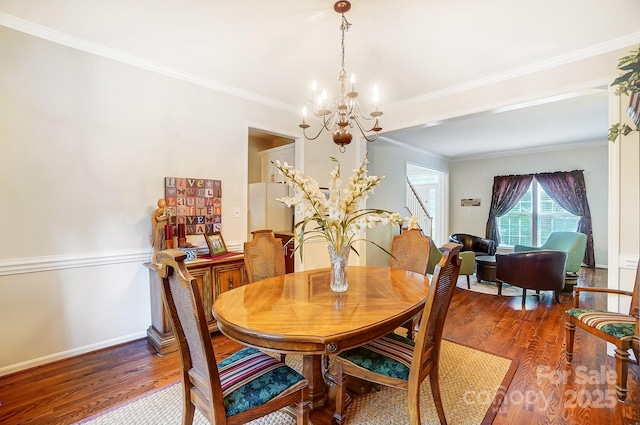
<point>263,256</point>
<point>410,251</point>
<point>246,385</point>
<point>400,362</point>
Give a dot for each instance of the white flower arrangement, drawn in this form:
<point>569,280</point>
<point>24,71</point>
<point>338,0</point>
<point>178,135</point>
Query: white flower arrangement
<point>338,219</point>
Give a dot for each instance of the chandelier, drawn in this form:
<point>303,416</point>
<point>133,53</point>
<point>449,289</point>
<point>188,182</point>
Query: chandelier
<point>339,115</point>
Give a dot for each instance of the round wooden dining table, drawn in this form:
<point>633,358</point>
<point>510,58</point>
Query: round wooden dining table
<point>298,313</point>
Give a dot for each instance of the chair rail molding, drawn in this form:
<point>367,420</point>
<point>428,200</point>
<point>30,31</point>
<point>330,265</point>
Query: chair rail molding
<point>23,265</point>
<point>15,266</point>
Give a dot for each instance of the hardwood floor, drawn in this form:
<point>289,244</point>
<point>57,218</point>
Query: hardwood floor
<point>69,390</point>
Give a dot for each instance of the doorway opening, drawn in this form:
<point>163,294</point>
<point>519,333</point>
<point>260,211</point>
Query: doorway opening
<point>430,187</point>
<point>265,184</point>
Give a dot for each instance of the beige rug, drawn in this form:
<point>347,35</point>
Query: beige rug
<point>489,287</point>
<point>472,382</point>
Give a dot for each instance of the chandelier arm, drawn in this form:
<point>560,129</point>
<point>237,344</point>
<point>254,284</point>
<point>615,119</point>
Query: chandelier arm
<point>361,114</point>
<point>363,131</point>
<point>304,132</point>
<point>330,123</point>
<point>325,126</point>
<point>351,108</point>
<point>357,118</point>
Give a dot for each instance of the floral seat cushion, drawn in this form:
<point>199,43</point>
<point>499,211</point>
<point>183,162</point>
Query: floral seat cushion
<point>618,325</point>
<point>390,356</point>
<point>250,378</point>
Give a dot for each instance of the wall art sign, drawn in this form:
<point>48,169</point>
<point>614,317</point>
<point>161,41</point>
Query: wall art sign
<point>470,202</point>
<point>197,203</point>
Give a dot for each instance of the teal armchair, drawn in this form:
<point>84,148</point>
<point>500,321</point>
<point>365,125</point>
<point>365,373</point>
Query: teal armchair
<point>573,243</point>
<point>467,267</point>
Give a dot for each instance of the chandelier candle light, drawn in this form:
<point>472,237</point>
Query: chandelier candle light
<point>345,112</point>
<point>337,218</point>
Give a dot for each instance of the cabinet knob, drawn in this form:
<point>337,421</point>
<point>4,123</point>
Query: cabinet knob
<point>230,282</point>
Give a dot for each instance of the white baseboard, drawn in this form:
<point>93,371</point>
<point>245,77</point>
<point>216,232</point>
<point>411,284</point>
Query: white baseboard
<point>70,353</point>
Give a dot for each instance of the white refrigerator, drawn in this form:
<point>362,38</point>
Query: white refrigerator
<point>267,213</point>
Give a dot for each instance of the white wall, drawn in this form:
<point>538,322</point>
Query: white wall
<point>318,165</point>
<point>390,160</point>
<point>86,143</point>
<point>474,179</point>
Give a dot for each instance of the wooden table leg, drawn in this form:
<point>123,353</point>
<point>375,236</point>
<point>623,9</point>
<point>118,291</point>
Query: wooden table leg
<point>312,370</point>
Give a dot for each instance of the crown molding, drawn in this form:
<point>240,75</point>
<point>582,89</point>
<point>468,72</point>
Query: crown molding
<point>518,152</point>
<point>64,39</point>
<point>61,38</point>
<point>588,52</point>
<point>404,145</point>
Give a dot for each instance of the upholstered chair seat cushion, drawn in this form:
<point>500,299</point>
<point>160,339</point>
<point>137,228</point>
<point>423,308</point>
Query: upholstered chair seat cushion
<point>390,356</point>
<point>618,325</point>
<point>249,378</point>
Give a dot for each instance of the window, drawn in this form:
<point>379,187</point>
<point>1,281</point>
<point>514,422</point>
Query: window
<point>534,218</point>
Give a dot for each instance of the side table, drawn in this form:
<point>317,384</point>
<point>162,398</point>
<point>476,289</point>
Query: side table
<point>486,270</point>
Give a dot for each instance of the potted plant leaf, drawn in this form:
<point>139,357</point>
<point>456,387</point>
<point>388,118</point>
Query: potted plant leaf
<point>628,84</point>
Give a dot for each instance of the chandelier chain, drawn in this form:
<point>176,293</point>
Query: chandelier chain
<point>344,27</point>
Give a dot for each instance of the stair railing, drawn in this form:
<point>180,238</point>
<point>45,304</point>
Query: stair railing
<point>415,206</point>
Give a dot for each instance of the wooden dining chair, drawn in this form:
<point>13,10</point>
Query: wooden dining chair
<point>410,251</point>
<point>263,256</point>
<point>399,362</point>
<point>620,329</point>
<point>246,385</point>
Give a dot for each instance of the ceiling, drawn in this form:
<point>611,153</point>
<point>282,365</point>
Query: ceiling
<point>579,119</point>
<point>270,51</point>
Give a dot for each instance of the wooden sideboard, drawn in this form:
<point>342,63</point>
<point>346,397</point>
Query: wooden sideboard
<point>214,276</point>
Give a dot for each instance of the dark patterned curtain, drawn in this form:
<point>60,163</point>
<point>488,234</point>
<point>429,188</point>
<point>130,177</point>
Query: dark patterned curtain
<point>507,191</point>
<point>567,188</point>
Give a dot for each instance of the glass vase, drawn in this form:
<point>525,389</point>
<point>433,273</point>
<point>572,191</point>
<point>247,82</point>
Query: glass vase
<point>339,262</point>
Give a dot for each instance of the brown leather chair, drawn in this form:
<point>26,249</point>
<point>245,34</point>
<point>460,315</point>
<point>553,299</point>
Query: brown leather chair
<point>480,246</point>
<point>538,270</point>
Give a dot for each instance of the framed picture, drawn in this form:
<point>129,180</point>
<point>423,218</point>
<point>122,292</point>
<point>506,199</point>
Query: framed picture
<point>215,243</point>
<point>325,190</point>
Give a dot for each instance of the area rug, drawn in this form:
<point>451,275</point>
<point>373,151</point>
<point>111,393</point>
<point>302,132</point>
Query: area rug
<point>488,287</point>
<point>472,383</point>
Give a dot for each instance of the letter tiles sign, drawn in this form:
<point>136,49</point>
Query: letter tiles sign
<point>197,203</point>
